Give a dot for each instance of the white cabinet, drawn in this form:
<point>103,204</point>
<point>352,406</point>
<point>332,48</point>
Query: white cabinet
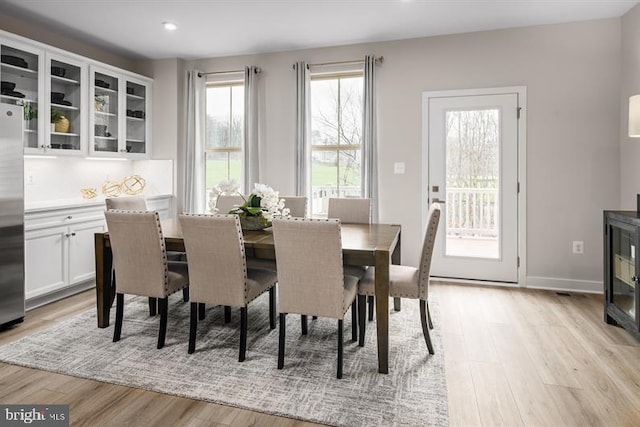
<point>21,71</point>
<point>59,245</point>
<point>66,88</point>
<point>119,125</point>
<point>59,248</point>
<point>106,110</point>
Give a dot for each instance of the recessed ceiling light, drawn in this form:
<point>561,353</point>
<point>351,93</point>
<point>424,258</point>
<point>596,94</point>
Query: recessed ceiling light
<point>169,26</point>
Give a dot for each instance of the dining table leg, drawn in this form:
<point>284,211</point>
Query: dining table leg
<point>104,294</point>
<point>382,309</point>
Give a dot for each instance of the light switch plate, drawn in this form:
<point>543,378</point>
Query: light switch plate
<point>398,168</point>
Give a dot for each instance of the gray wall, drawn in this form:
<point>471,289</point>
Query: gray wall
<point>41,34</point>
<point>576,108</point>
<point>629,147</point>
<point>571,72</point>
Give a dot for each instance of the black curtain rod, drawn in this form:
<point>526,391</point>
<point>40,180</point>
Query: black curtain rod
<point>257,71</point>
<point>379,60</point>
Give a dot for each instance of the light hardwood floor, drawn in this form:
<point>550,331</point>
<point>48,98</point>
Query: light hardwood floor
<point>512,358</point>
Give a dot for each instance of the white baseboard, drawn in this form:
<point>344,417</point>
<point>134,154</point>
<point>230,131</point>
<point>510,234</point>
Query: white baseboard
<point>41,300</point>
<point>564,285</point>
<point>534,282</point>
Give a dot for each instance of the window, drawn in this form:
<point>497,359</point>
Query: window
<point>336,138</point>
<point>224,138</point>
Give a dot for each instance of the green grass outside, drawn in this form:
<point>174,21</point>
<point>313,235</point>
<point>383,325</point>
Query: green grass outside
<point>216,171</point>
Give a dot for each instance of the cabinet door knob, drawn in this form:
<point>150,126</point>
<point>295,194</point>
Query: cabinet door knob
<point>73,234</point>
<point>69,217</point>
<point>634,278</point>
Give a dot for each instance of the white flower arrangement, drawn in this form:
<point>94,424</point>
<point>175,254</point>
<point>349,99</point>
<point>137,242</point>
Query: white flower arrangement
<point>263,202</point>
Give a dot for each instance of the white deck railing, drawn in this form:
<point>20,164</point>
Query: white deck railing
<point>320,196</point>
<point>472,212</point>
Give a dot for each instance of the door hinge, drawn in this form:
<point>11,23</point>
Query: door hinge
<point>518,261</point>
<point>518,187</point>
<point>518,111</point>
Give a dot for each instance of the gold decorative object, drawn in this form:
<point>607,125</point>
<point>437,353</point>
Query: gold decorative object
<point>63,125</point>
<point>89,192</point>
<point>133,184</point>
<point>111,188</point>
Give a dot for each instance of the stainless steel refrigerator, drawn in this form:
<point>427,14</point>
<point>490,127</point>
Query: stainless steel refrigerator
<point>11,215</point>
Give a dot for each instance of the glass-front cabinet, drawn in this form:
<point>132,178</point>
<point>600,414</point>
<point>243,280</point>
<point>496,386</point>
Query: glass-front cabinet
<point>67,89</point>
<point>622,269</point>
<point>20,69</point>
<point>119,124</point>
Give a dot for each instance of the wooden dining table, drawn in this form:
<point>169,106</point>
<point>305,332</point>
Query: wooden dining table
<point>375,245</point>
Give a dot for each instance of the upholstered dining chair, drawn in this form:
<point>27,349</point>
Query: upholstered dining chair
<point>138,203</point>
<point>352,210</point>
<point>297,205</point>
<point>218,271</point>
<point>141,266</point>
<point>227,202</point>
<point>311,279</point>
<point>406,281</point>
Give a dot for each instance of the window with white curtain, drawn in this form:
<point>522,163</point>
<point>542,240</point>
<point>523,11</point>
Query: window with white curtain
<point>336,137</point>
<point>224,134</point>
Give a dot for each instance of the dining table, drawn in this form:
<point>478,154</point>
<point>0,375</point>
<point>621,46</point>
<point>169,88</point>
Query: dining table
<point>376,245</point>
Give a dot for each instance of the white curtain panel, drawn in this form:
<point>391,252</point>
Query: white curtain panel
<point>194,172</point>
<point>370,136</point>
<point>251,132</point>
<point>303,126</point>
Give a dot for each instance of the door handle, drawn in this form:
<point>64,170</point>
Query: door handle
<point>437,200</point>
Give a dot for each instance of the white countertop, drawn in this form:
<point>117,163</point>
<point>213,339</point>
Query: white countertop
<point>47,205</point>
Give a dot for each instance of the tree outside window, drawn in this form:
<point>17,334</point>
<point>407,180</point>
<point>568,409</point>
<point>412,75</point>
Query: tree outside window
<point>336,138</point>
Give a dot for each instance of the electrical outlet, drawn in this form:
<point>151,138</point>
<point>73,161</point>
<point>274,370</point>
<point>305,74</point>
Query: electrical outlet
<point>398,168</point>
<point>29,179</point>
<point>578,247</point>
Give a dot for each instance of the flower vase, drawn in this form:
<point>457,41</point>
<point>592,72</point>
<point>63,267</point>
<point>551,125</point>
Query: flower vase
<point>253,223</point>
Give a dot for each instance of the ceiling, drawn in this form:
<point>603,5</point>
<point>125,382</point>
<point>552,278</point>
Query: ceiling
<point>211,28</point>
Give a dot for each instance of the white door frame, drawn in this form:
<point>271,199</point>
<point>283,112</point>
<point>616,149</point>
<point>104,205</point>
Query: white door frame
<point>521,91</point>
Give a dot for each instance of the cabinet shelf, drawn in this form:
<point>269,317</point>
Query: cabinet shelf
<point>65,107</point>
<point>106,138</point>
<point>64,134</point>
<point>64,81</point>
<point>135,119</point>
<point>103,113</point>
<point>135,97</point>
<point>15,98</point>
<point>104,90</point>
<point>19,71</point>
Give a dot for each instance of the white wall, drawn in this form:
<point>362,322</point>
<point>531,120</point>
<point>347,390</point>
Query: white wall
<point>629,147</point>
<point>572,76</point>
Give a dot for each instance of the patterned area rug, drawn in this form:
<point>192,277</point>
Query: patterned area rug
<point>413,394</point>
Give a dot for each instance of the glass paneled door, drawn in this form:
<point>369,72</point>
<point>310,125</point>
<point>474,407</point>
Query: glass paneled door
<point>473,174</point>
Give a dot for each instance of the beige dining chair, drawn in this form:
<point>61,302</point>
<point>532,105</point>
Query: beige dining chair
<point>218,271</point>
<point>141,266</point>
<point>406,281</point>
<point>352,210</point>
<point>138,203</point>
<point>297,205</point>
<point>311,279</point>
<point>226,202</point>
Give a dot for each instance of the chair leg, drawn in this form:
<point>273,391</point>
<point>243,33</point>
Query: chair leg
<point>314,317</point>
<point>117,331</point>
<point>303,323</point>
<point>281,339</point>
<point>272,307</point>
<point>396,304</point>
<point>362,321</point>
<point>185,294</point>
<point>243,333</point>
<point>354,320</point>
<point>429,316</point>
<point>163,305</point>
<point>371,306</point>
<point>227,314</point>
<point>201,310</point>
<point>193,327</point>
<point>153,304</point>
<point>340,347</point>
<point>425,328</point>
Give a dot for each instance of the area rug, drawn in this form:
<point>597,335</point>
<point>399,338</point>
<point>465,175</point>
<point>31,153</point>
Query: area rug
<point>412,394</point>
